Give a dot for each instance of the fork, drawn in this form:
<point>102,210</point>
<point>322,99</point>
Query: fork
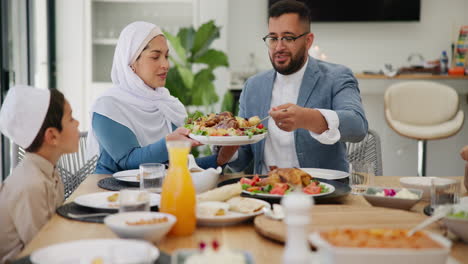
<point>76,216</point>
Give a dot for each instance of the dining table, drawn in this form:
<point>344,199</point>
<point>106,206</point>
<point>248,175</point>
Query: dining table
<point>241,236</point>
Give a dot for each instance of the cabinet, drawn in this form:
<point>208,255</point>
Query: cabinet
<point>107,18</point>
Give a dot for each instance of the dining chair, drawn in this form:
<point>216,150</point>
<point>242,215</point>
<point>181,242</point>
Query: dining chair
<point>423,110</point>
<point>369,150</point>
<point>73,167</point>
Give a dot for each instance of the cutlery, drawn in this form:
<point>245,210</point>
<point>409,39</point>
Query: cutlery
<point>439,213</point>
<point>268,116</point>
<point>76,216</point>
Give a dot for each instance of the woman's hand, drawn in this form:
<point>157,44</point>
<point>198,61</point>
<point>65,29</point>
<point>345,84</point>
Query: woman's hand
<point>464,153</point>
<point>182,133</point>
<point>225,154</point>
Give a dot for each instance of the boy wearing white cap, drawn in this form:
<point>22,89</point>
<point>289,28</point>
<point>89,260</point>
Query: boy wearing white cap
<point>41,122</point>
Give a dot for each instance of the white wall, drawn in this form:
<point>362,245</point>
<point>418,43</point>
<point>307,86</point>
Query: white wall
<point>71,55</point>
<point>367,46</point>
<point>360,46</point>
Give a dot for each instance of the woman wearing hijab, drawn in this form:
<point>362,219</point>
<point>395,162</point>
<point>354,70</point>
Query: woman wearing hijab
<point>131,121</point>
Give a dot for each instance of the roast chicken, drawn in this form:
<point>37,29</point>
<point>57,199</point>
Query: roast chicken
<point>292,176</point>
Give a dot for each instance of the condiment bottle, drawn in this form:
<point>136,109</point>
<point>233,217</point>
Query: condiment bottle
<point>178,193</point>
<point>297,208</point>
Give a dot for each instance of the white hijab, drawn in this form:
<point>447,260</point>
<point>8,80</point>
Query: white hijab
<point>148,113</point>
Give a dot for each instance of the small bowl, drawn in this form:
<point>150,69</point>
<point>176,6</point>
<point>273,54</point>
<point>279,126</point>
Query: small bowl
<point>424,184</point>
<point>389,201</point>
<point>206,179</point>
<point>150,232</point>
<point>180,256</point>
<point>458,226</point>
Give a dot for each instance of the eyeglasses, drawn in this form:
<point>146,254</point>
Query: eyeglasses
<point>287,40</point>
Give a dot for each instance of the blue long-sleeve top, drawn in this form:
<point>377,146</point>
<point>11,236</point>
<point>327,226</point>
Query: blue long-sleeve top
<point>120,150</point>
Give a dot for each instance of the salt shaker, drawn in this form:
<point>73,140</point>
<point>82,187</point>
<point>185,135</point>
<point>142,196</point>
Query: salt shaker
<point>297,208</point>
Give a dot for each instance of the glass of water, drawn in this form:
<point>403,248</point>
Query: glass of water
<point>152,176</point>
<point>361,176</point>
<point>134,199</point>
<point>444,191</point>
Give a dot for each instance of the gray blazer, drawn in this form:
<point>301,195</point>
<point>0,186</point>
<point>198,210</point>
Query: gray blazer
<point>324,85</point>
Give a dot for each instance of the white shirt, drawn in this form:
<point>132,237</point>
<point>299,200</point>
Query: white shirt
<point>280,148</point>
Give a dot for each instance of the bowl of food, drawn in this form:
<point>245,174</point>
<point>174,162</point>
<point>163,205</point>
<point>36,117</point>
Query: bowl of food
<point>397,198</point>
<point>151,226</point>
<point>211,253</point>
<point>383,246</point>
<point>424,184</point>
<point>457,221</point>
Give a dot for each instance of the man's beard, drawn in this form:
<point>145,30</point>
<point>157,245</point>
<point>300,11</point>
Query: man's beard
<point>294,65</point>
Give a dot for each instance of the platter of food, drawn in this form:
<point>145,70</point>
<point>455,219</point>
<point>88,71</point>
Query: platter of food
<point>223,206</point>
<point>108,200</point>
<point>387,246</point>
<point>225,129</point>
<point>281,181</point>
<point>233,211</point>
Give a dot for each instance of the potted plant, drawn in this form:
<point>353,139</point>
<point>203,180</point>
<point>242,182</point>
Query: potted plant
<point>191,76</point>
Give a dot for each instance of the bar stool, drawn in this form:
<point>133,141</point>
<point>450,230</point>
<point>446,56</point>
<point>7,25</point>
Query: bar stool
<point>423,110</point>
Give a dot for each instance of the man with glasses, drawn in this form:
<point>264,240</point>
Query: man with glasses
<point>315,106</point>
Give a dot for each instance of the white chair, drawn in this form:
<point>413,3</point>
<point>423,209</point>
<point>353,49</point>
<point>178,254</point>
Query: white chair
<point>368,149</point>
<point>423,110</point>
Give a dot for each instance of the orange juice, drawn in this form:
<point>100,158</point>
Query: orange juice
<point>178,193</point>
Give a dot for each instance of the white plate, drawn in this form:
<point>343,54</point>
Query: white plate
<point>99,200</point>
<point>228,140</point>
<point>230,218</point>
<point>85,251</point>
<point>127,176</point>
<point>326,174</point>
<point>330,187</point>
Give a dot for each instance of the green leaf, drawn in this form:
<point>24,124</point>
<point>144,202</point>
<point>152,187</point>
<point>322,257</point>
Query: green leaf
<point>204,92</point>
<point>228,102</point>
<point>186,75</point>
<point>178,48</point>
<point>176,86</point>
<point>214,58</point>
<point>204,36</point>
<point>186,36</point>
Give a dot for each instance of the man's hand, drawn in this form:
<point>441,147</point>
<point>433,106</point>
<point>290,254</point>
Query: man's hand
<point>225,154</point>
<point>464,153</point>
<point>289,117</point>
<point>182,133</point>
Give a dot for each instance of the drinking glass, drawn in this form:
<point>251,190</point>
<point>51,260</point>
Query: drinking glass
<point>134,199</point>
<point>361,176</point>
<point>152,176</point>
<point>444,191</point>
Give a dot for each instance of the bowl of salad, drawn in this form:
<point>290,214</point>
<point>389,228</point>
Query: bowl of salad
<point>225,129</point>
<point>457,221</point>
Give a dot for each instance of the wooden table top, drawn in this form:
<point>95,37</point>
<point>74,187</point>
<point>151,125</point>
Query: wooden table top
<point>242,236</point>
